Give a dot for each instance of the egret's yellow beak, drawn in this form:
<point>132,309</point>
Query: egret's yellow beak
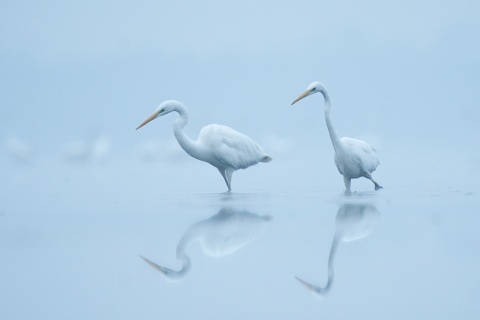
<point>153,116</point>
<point>300,97</point>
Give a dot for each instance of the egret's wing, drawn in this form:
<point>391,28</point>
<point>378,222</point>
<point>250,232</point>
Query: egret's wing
<point>229,147</point>
<point>364,153</point>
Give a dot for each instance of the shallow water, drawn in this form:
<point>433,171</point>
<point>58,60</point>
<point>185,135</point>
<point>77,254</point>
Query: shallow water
<point>403,255</point>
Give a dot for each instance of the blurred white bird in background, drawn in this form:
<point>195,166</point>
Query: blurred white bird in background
<point>353,158</point>
<point>94,147</point>
<point>19,150</point>
<point>221,146</point>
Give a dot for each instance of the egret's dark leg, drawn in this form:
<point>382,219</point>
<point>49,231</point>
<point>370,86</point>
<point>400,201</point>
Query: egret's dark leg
<point>377,186</point>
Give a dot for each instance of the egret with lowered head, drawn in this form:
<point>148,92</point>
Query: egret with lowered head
<point>353,158</point>
<point>221,146</point>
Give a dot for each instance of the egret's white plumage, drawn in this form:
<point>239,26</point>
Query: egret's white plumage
<point>221,146</point>
<point>353,158</point>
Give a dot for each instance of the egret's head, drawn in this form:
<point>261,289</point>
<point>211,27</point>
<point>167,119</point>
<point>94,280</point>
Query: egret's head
<point>164,108</point>
<point>314,87</point>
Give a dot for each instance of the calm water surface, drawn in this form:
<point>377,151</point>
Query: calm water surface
<point>394,255</point>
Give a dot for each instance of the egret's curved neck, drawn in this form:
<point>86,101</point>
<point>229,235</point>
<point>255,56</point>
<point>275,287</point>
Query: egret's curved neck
<point>190,146</point>
<point>337,144</point>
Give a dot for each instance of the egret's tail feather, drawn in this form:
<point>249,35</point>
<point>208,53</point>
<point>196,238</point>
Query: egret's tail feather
<point>266,159</point>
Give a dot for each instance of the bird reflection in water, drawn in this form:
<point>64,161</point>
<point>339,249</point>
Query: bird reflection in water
<point>220,235</point>
<point>354,221</point>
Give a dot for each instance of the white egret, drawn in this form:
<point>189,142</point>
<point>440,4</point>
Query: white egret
<point>353,158</point>
<point>221,146</point>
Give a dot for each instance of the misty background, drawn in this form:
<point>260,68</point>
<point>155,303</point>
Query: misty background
<point>78,77</point>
